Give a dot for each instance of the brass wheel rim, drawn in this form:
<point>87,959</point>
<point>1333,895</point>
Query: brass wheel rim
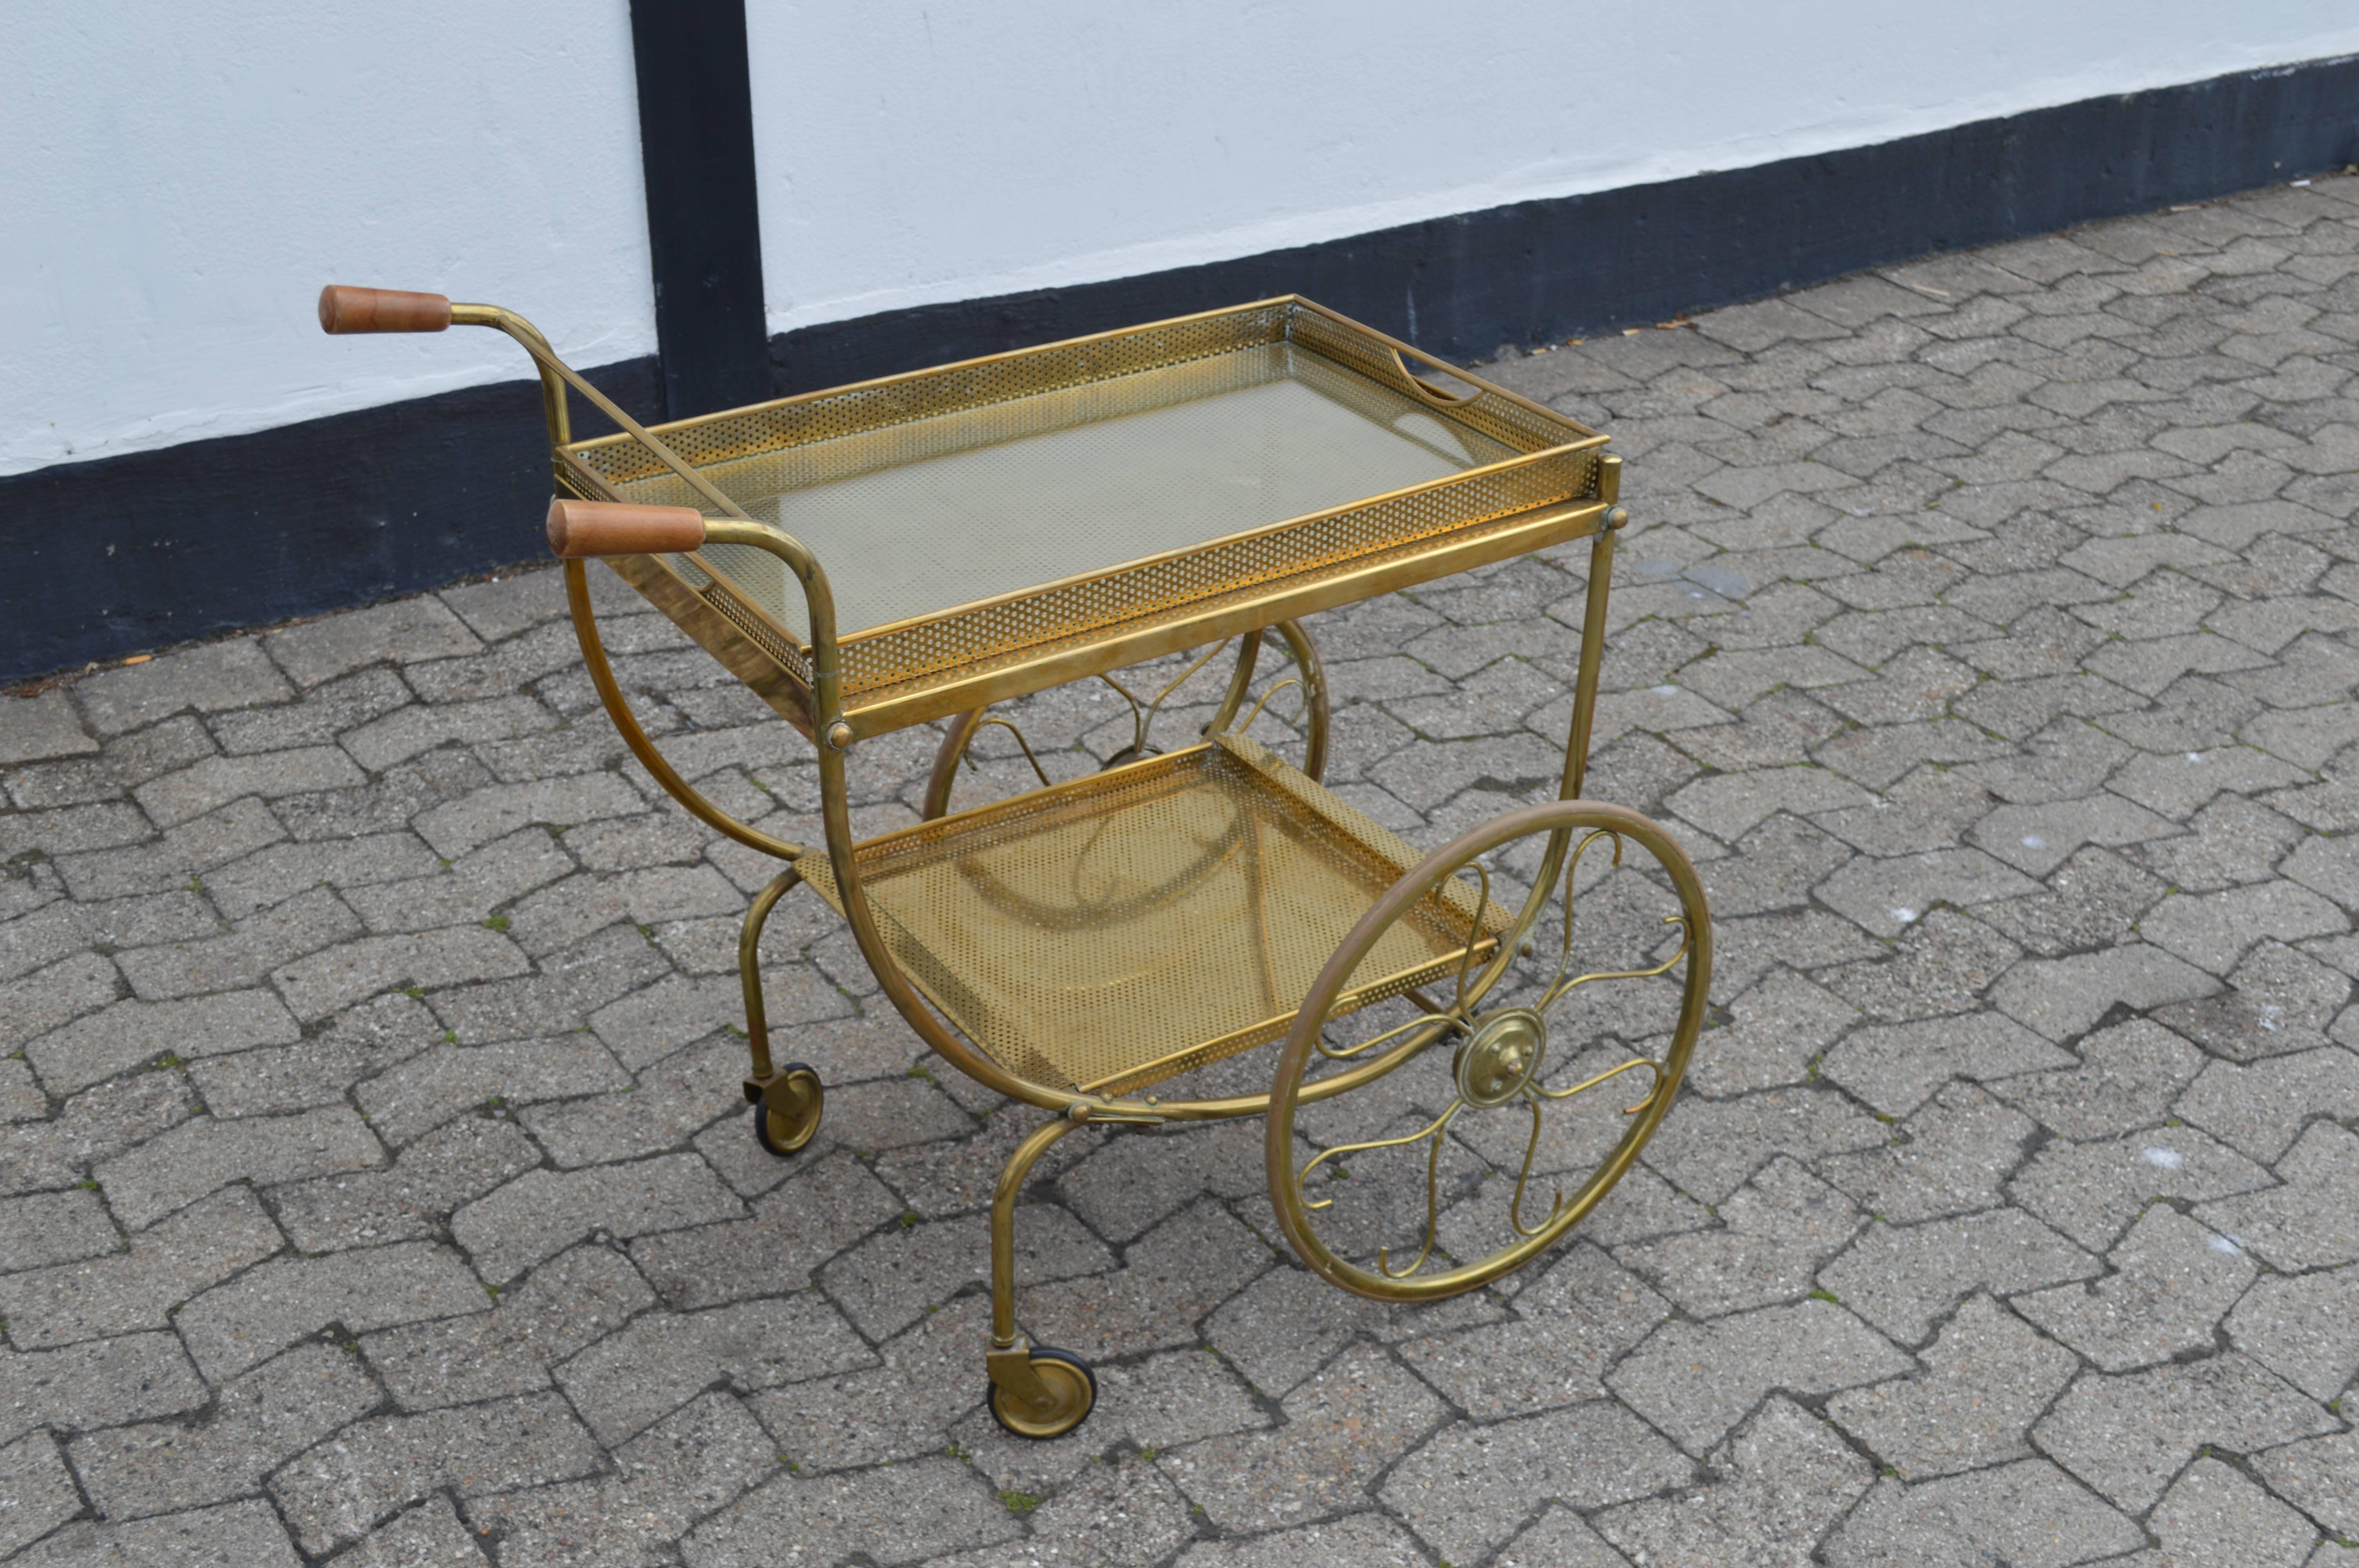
<point>1566,823</point>
<point>1073,1397</point>
<point>789,1130</point>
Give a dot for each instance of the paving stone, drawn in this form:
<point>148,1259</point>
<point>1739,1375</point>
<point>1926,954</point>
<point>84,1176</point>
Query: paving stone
<point>2027,1514</point>
<point>1787,1478</point>
<point>678,1472</point>
<point>1172,1276</point>
<point>2172,1280</point>
<point>235,1535</point>
<point>1943,964</point>
<point>568,1304</point>
<point>215,782</point>
<point>2304,1328</point>
<point>1470,1486</point>
<point>97,1383</point>
<point>2128,1436</point>
<point>571,986</point>
<point>1776,1030</point>
<point>137,1289</point>
<point>2259,1108</point>
<point>269,1307</point>
<point>178,859</point>
<point>54,1228</point>
<point>2212,930</point>
<point>1779,1224</point>
<point>898,1275</point>
<point>1696,1381</point>
<point>2214,1515</point>
<point>1987,1377</point>
<point>542,1212</point>
<point>2064,998</point>
<point>257,1420</point>
<point>2320,1476</point>
<point>1709,1149</point>
<point>344,1488</point>
<point>794,1229</point>
<point>2277,1000</point>
<point>56,1151</point>
<point>2093,1192</point>
<point>404,629</point>
<point>2313,1218</point>
<point>201,1155</point>
<point>2127,1078</point>
<point>357,1044</point>
<point>1897,1068</point>
<point>276,874</point>
<point>1950,1158</point>
<point>219,675</point>
<point>634,1377</point>
<point>440,1172</point>
<point>304,924</point>
<point>130,1033</point>
<point>427,1536</point>
<point>1901,1279</point>
<point>45,726</point>
<point>328,981</point>
<point>905,1514</point>
<point>39,1493</point>
<point>41,1001</point>
<point>1569,1325</point>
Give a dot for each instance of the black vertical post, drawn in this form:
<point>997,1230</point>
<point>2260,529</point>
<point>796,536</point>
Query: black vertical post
<point>704,229</point>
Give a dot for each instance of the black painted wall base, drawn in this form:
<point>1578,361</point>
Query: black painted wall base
<point>125,553</point>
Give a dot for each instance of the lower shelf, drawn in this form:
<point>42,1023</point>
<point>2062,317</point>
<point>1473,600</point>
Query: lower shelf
<point>1108,933</point>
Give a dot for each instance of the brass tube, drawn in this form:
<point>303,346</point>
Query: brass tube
<point>1003,1226</point>
<point>610,695</point>
<point>1593,628</point>
<point>749,941</point>
<point>1314,688</point>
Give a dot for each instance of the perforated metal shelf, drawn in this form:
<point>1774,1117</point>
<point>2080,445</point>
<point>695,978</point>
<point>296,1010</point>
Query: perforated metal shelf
<point>1109,933</point>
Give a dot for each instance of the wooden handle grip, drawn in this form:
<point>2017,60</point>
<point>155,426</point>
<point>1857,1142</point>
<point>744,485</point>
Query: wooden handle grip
<point>612,528</point>
<point>347,310</point>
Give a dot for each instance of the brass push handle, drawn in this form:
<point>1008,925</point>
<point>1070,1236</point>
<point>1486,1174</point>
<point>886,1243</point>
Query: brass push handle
<point>578,528</point>
<point>1429,391</point>
<point>343,309</point>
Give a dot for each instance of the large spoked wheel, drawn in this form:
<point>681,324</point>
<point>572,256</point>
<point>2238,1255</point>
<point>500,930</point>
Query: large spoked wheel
<point>1299,667</point>
<point>1499,1085</point>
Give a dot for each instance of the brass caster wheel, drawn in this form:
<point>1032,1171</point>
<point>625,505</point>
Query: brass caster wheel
<point>788,1114</point>
<point>1068,1391</point>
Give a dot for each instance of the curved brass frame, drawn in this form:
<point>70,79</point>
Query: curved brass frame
<point>962,731</point>
<point>1009,1358</point>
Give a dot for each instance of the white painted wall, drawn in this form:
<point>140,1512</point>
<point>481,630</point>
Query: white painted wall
<point>178,180</point>
<point>914,151</point>
<point>177,177</point>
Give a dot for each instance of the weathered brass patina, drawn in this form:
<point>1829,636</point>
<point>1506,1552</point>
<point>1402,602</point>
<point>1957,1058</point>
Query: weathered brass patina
<point>1061,513</point>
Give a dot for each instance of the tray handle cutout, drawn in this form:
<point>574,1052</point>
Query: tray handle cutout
<point>1439,397</point>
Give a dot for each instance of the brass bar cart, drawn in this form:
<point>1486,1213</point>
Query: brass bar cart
<point>1002,527</point>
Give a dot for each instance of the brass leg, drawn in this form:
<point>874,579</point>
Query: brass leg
<point>787,1101</point>
<point>1038,1393</point>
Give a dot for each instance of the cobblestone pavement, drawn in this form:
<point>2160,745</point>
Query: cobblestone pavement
<point>378,1188</point>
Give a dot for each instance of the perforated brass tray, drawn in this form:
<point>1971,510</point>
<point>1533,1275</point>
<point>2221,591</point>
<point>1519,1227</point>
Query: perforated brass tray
<point>1008,523</point>
<point>1072,933</point>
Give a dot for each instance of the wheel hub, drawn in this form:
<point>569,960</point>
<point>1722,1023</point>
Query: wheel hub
<point>1501,1057</point>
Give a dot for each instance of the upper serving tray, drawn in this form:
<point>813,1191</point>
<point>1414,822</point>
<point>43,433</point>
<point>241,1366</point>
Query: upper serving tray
<point>1008,523</point>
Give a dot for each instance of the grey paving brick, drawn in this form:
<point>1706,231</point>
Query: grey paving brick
<point>2062,998</point>
<point>1470,1486</point>
<point>97,1383</point>
<point>2027,1513</point>
<point>466,892</point>
<point>1897,1068</point>
<point>896,1277</point>
<point>2213,1514</point>
<point>2304,1328</point>
<point>2171,1280</point>
<point>128,1290</point>
<point>2259,1108</point>
<point>2127,1078</point>
<point>269,1307</point>
<point>1785,1478</point>
<point>404,629</point>
<point>235,1535</point>
<point>38,727</point>
<point>682,1470</point>
<point>2128,1436</point>
<point>569,1303</point>
<point>123,1036</point>
<point>48,998</point>
<point>214,782</point>
<point>1696,1381</point>
<point>41,1492</point>
<point>793,1230</point>
<point>56,1151</point>
<point>498,810</point>
<point>54,1228</point>
<point>2313,1219</point>
<point>342,1489</point>
<point>313,719</point>
<point>541,1212</point>
<point>428,1533</point>
<point>178,860</point>
<point>357,1044</point>
<point>202,1155</point>
<point>335,978</point>
<point>258,1419</point>
<point>571,985</point>
<point>440,1172</point>
<point>1902,1278</point>
<point>2211,931</point>
<point>2318,1476</point>
<point>1985,1379</point>
<point>1779,1225</point>
<point>636,1377</point>
<point>907,1514</point>
<point>219,675</point>
<point>2093,1192</point>
<point>1950,1158</point>
<point>1777,1032</point>
<point>428,1089</point>
<point>282,871</point>
<point>302,925</point>
<point>1352,1541</point>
